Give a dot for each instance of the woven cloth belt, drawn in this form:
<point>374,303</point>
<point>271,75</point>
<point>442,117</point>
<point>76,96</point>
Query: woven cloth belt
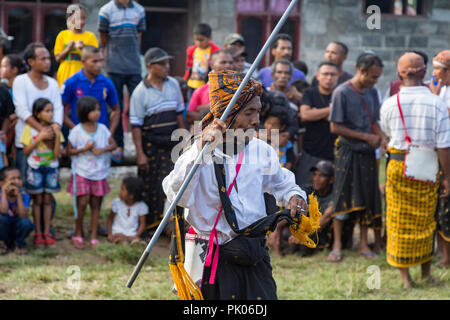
<point>397,156</point>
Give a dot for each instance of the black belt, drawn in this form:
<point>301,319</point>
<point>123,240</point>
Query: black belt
<point>397,156</point>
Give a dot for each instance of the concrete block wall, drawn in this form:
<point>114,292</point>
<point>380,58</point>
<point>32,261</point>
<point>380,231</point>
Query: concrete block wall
<point>343,20</point>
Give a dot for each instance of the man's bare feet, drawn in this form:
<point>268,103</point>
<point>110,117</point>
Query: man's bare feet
<point>443,264</point>
<point>408,284</point>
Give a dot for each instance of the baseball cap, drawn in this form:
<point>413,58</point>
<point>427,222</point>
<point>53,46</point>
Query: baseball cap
<point>154,55</point>
<point>324,166</point>
<point>234,37</point>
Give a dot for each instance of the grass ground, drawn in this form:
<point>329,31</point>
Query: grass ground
<point>63,272</point>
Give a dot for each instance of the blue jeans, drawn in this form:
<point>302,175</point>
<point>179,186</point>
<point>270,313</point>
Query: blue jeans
<point>14,230</point>
<point>120,80</point>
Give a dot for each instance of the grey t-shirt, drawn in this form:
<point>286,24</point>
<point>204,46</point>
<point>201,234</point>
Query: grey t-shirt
<point>348,109</point>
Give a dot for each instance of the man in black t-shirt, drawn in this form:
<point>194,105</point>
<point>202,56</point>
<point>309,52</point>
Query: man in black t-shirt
<point>318,141</point>
<point>336,52</point>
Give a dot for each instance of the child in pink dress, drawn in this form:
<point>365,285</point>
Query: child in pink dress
<point>90,146</point>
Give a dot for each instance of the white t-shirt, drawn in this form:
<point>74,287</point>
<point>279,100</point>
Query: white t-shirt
<point>125,223</point>
<point>87,164</point>
<point>25,94</point>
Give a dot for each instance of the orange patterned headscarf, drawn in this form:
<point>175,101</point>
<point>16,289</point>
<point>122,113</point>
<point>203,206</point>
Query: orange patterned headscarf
<point>222,86</point>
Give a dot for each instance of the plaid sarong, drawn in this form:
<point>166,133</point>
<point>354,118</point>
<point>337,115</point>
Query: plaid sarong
<point>410,217</point>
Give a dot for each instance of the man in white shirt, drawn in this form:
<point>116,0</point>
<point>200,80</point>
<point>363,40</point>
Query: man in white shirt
<point>29,87</point>
<point>245,273</point>
<point>440,85</point>
<point>411,204</point>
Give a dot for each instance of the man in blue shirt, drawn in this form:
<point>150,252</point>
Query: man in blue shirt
<point>90,82</point>
<point>281,48</point>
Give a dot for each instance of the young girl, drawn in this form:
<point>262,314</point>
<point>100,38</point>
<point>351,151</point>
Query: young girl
<point>43,149</point>
<point>69,43</point>
<point>90,146</point>
<point>126,222</point>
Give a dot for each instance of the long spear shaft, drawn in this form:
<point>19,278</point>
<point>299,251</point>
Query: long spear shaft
<point>191,173</point>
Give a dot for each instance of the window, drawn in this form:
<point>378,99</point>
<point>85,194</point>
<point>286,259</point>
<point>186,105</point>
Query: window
<point>398,7</point>
<point>257,18</point>
<point>20,24</point>
<point>29,21</point>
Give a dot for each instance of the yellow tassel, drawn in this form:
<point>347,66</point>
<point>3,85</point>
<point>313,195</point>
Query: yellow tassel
<point>308,225</point>
<point>186,287</point>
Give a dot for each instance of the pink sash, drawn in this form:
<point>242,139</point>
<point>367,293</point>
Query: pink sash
<point>213,234</point>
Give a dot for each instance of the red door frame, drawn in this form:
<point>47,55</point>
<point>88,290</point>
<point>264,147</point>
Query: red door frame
<point>268,17</point>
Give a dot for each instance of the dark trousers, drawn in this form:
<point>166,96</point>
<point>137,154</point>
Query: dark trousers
<point>14,230</point>
<point>120,80</point>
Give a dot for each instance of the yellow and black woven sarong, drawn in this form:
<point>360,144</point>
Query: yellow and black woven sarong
<point>410,217</point>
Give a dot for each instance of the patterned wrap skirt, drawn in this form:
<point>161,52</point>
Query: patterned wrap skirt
<point>410,217</point>
<point>356,188</point>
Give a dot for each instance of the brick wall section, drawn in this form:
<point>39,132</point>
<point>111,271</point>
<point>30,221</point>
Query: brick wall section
<point>343,20</point>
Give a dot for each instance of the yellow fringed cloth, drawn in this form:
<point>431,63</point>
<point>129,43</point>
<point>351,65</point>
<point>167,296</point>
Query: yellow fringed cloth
<point>185,286</point>
<point>301,226</point>
<point>410,217</point>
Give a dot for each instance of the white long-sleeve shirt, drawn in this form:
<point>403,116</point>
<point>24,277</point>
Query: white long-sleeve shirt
<point>25,94</point>
<point>260,172</point>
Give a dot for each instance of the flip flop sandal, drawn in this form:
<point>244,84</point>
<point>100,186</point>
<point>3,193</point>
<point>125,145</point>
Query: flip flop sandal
<point>368,255</point>
<point>38,239</point>
<point>77,242</point>
<point>49,240</point>
<point>337,257</point>
<point>94,243</point>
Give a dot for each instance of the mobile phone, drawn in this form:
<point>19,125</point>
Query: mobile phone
<point>435,82</point>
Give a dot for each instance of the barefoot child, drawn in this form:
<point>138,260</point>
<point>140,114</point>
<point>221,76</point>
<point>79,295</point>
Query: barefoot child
<point>126,222</point>
<point>14,203</point>
<point>90,144</point>
<point>42,149</point>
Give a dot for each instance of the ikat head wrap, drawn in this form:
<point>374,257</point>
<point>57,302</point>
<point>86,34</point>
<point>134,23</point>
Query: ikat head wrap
<point>222,87</point>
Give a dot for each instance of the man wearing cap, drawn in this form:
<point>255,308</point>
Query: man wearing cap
<point>156,110</point>
<point>411,204</point>
<point>440,84</point>
<point>237,41</point>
